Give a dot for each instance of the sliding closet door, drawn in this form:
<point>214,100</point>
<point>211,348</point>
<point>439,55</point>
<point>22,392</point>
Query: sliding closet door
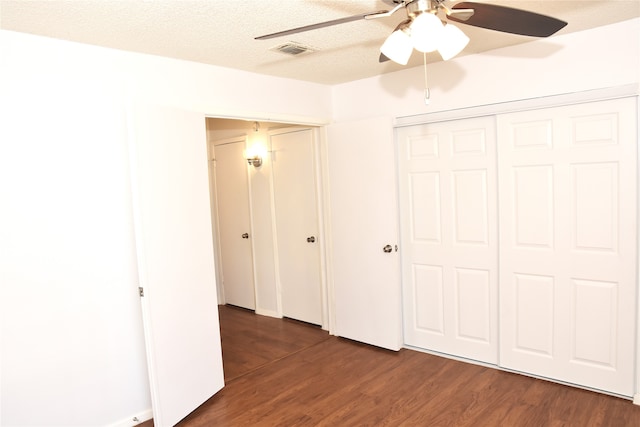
<point>449,239</point>
<point>568,243</point>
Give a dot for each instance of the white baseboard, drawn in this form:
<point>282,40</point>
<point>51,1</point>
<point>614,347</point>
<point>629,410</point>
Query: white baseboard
<point>636,399</point>
<point>134,420</point>
<point>268,313</point>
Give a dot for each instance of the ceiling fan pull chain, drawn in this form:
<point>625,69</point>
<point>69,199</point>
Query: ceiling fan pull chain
<point>427,92</point>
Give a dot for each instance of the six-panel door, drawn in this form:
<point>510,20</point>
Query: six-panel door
<point>568,243</point>
<point>448,212</point>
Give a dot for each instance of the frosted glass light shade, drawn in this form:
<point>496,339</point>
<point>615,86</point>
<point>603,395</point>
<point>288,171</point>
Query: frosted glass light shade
<point>398,47</point>
<point>453,41</point>
<point>426,32</point>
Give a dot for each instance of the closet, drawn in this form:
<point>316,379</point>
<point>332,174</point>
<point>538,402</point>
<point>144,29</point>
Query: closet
<point>519,240</point>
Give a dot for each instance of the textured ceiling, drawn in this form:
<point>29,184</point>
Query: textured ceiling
<point>222,33</point>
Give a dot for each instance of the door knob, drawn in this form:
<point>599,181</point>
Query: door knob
<point>311,239</point>
<point>387,248</point>
<point>245,235</point>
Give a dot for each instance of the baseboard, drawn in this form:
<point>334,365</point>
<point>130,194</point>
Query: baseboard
<point>268,313</point>
<point>134,420</point>
<point>636,399</point>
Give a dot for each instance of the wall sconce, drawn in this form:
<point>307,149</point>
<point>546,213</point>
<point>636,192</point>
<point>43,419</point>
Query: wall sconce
<point>254,156</point>
<point>255,161</point>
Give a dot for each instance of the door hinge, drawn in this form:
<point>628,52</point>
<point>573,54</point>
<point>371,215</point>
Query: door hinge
<point>141,291</point>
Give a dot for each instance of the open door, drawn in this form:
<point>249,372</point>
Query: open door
<point>364,232</point>
<point>175,259</point>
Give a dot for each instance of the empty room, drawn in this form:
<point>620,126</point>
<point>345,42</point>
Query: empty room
<point>319,212</point>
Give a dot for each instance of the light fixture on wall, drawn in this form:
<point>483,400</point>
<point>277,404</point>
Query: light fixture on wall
<point>254,158</point>
<point>255,161</point>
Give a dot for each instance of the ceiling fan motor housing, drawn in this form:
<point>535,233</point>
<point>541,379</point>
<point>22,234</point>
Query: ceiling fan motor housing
<point>416,7</point>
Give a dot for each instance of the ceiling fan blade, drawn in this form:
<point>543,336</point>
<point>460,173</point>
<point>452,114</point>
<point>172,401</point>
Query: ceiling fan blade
<point>321,25</point>
<point>508,20</point>
<point>461,14</point>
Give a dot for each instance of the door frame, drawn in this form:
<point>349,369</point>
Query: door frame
<point>320,161</point>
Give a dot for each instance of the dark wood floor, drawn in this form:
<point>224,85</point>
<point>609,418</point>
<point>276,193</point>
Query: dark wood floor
<point>250,342</point>
<point>285,373</point>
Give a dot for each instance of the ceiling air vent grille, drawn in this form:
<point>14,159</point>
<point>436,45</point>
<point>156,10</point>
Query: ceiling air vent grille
<point>293,48</point>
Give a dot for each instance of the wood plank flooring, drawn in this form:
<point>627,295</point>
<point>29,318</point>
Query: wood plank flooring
<point>250,341</point>
<point>286,373</point>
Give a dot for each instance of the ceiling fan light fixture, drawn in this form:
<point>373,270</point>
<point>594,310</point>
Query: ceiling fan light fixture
<point>398,47</point>
<point>426,32</point>
<point>453,41</point>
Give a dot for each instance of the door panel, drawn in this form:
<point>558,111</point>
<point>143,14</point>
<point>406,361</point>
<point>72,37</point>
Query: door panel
<point>297,230</point>
<point>364,219</point>
<point>568,243</point>
<point>234,223</point>
<point>449,236</point>
<point>175,260</point>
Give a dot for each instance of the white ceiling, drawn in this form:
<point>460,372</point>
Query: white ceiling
<point>221,32</point>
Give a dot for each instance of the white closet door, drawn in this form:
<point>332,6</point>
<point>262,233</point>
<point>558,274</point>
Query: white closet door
<point>175,260</point>
<point>234,223</point>
<point>297,230</point>
<point>449,239</point>
<point>568,243</point>
<point>364,218</point>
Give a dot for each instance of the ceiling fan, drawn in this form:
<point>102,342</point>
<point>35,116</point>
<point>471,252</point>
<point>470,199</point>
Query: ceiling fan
<point>427,27</point>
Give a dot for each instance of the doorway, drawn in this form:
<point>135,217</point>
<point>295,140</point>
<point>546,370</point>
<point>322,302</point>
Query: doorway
<point>271,212</point>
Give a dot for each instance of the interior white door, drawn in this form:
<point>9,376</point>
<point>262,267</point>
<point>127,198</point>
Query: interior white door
<point>234,223</point>
<point>297,230</point>
<point>175,259</point>
<point>364,219</point>
<point>568,243</point>
<point>447,175</point>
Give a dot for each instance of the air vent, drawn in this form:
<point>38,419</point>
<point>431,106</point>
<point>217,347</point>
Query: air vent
<point>293,48</point>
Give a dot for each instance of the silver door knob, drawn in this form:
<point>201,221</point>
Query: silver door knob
<point>387,249</point>
<point>311,239</point>
<point>245,235</point>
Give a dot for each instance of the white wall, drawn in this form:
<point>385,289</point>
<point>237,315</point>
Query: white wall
<point>72,345</point>
<point>604,57</point>
<point>263,236</point>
